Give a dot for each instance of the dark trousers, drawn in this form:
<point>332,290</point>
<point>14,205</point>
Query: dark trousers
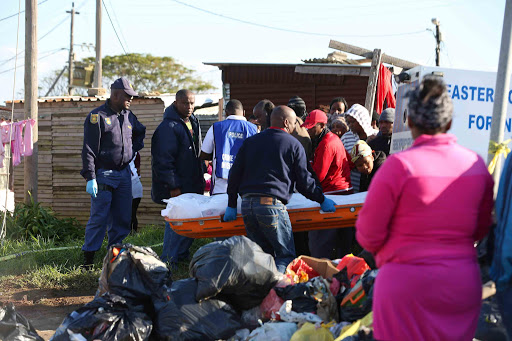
<point>267,224</point>
<point>504,296</point>
<point>331,243</point>
<point>135,206</point>
<point>110,210</point>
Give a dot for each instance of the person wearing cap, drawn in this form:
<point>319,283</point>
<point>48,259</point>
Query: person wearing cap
<point>112,136</point>
<point>298,105</point>
<point>176,167</point>
<point>337,109</point>
<point>367,162</point>
<point>267,169</point>
<point>382,142</point>
<point>359,122</point>
<point>331,166</point>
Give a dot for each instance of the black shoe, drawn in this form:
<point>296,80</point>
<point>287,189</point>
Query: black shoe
<point>88,260</point>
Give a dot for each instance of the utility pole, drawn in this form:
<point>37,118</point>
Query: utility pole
<point>499,111</point>
<point>71,54</point>
<point>439,39</point>
<point>30,105</point>
<point>97,89</point>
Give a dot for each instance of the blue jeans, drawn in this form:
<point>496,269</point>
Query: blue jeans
<point>268,225</point>
<point>504,296</point>
<point>176,247</point>
<point>111,210</point>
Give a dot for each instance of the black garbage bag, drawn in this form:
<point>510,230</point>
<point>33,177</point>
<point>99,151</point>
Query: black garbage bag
<point>490,323</point>
<point>237,269</point>
<point>15,327</point>
<point>183,318</point>
<point>108,317</point>
<point>134,273</point>
<point>300,295</point>
<point>355,312</point>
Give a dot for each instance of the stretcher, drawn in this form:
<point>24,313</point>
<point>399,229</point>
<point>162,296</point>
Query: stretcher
<point>302,219</point>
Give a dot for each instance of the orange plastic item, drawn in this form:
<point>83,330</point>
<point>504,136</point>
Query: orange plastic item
<point>354,265</point>
<point>115,252</point>
<point>302,219</point>
<point>355,295</point>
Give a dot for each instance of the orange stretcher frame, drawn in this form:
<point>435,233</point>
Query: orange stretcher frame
<point>302,219</point>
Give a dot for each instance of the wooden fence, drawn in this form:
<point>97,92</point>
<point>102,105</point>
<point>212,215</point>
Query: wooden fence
<point>60,184</point>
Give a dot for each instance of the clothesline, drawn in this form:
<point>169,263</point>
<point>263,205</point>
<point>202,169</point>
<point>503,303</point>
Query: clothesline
<point>20,140</point>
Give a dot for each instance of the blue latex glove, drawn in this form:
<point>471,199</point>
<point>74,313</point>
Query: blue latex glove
<point>230,214</point>
<point>328,205</point>
<point>92,188</point>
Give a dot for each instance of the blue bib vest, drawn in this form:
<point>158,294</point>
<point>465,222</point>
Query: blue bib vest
<point>229,136</point>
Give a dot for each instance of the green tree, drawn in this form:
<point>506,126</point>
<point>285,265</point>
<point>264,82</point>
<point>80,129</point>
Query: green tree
<point>151,73</point>
<point>147,73</point>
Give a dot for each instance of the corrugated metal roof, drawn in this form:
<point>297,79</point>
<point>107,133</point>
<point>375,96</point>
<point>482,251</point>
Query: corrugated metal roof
<point>166,98</point>
<point>220,65</point>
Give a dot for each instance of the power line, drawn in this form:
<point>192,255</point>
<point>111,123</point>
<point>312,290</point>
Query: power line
<point>43,57</point>
<point>3,62</point>
<point>118,39</point>
<point>118,26</point>
<point>15,14</point>
<point>290,30</point>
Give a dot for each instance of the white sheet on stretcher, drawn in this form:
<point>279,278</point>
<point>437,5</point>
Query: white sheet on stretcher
<point>189,206</point>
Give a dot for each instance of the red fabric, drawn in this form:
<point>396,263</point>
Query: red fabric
<point>277,128</point>
<point>354,265</point>
<point>384,89</point>
<point>302,270</point>
<point>331,164</point>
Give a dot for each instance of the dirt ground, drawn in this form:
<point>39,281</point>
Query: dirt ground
<point>44,308</point>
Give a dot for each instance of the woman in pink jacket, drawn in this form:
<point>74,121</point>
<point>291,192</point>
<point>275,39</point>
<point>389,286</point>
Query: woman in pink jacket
<point>425,208</point>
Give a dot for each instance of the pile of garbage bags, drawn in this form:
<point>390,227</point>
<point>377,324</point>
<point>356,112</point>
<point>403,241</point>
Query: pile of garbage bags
<point>234,293</point>
<point>15,327</point>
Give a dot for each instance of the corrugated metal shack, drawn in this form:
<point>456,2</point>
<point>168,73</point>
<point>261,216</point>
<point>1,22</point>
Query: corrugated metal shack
<point>61,119</point>
<point>316,83</point>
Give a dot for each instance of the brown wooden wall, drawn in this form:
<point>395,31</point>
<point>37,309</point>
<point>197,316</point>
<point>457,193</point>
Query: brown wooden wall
<point>278,83</point>
<point>60,144</point>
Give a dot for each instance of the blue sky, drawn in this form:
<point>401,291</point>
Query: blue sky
<point>471,32</point>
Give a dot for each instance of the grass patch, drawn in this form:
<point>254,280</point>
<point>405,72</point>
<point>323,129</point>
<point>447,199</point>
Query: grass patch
<point>51,268</point>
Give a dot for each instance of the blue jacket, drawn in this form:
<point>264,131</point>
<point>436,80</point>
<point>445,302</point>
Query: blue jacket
<point>501,269</point>
<point>110,140</point>
<point>175,159</point>
<point>272,163</point>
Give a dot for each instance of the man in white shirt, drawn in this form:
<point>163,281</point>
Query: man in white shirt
<point>222,142</point>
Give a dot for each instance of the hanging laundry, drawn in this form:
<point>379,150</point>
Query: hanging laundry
<point>385,89</point>
<point>28,144</point>
<point>17,142</point>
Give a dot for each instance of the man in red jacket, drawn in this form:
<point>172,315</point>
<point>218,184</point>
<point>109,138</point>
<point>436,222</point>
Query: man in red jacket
<point>332,168</point>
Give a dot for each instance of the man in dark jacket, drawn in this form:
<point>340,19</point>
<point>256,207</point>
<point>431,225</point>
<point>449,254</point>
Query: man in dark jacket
<point>268,167</point>
<point>176,167</point>
<point>383,140</point>
<point>112,134</point>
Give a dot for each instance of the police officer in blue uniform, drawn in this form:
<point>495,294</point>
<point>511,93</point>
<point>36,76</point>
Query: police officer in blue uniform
<point>112,135</point>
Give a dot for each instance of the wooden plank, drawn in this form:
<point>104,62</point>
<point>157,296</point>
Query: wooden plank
<point>372,82</point>
<point>368,54</point>
<point>338,70</point>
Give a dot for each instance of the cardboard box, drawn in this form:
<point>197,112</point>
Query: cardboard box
<point>324,267</point>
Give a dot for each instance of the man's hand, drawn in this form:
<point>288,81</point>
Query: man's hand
<point>230,214</point>
<point>328,205</point>
<point>92,188</point>
<point>175,192</point>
